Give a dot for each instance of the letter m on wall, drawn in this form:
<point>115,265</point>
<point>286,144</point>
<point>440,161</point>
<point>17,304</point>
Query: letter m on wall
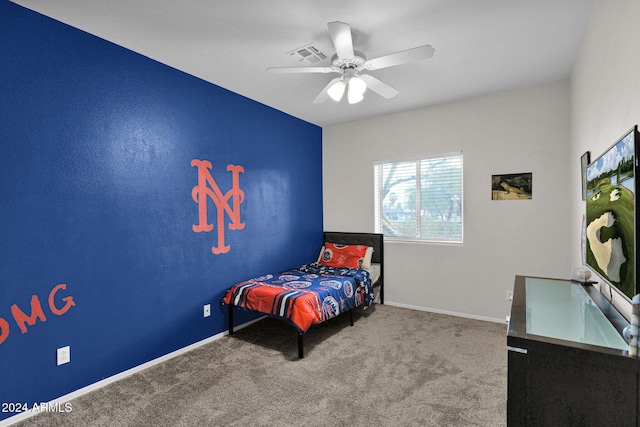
<point>227,204</point>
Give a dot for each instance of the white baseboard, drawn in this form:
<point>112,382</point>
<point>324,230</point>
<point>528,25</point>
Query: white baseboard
<point>60,401</point>
<point>450,313</point>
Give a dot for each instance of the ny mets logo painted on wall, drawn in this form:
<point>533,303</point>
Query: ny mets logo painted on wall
<point>208,188</point>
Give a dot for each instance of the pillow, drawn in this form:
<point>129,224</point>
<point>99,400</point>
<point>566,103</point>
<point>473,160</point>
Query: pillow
<point>350,256</point>
<point>366,262</point>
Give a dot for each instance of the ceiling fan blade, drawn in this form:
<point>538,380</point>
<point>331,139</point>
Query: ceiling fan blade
<point>410,55</point>
<point>291,70</point>
<point>378,86</point>
<point>324,95</point>
<point>341,37</point>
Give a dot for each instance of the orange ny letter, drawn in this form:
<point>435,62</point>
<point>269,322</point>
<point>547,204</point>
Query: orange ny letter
<point>208,188</point>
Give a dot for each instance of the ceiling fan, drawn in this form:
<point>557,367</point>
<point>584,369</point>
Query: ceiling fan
<point>350,64</point>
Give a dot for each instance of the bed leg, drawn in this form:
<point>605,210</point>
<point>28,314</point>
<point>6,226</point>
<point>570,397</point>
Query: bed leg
<point>351,316</point>
<point>230,319</point>
<point>300,346</point>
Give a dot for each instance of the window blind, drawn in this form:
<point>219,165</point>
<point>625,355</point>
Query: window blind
<point>420,199</point>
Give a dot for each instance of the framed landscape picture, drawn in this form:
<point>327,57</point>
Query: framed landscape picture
<point>611,219</point>
<point>515,186</point>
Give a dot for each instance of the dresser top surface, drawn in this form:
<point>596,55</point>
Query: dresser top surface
<point>564,310</point>
<point>560,311</point>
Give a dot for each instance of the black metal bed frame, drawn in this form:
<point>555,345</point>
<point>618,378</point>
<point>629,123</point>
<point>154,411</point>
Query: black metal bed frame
<point>374,240</point>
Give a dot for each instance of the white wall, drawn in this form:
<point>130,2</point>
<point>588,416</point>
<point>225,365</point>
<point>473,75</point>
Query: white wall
<point>525,130</point>
<point>605,94</point>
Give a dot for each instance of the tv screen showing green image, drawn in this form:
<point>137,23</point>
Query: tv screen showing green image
<point>610,214</point>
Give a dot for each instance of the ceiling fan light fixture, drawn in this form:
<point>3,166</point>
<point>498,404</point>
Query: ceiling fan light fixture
<point>354,97</point>
<point>336,91</point>
<point>357,85</point>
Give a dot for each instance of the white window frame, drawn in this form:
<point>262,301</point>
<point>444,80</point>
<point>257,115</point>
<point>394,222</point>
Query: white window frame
<point>378,184</point>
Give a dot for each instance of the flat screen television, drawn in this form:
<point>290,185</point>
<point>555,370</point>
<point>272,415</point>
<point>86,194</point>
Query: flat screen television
<point>611,220</point>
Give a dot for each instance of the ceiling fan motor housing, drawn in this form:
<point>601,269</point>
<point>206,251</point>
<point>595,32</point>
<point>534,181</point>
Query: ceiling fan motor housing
<point>342,64</point>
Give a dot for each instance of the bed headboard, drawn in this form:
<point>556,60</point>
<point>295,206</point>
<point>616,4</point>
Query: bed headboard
<point>368,239</point>
<point>375,240</point>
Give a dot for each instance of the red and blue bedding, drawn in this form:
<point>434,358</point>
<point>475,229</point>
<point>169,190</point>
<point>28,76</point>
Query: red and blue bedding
<point>304,296</point>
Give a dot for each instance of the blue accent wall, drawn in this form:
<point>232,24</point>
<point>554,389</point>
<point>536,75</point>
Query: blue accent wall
<point>96,144</point>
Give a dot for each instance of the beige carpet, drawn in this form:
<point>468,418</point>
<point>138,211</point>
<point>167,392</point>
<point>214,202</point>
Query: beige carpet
<point>395,367</point>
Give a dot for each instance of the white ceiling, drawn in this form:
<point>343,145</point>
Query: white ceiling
<point>482,46</point>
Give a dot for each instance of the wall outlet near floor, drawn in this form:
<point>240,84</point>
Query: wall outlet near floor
<point>509,295</point>
<point>63,355</point>
<point>207,310</point>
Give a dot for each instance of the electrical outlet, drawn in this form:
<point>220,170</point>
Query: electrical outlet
<point>509,295</point>
<point>63,355</point>
<point>207,310</point>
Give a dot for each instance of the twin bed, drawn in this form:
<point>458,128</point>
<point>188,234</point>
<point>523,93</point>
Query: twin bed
<point>349,273</point>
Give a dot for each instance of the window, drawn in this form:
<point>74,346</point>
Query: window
<point>420,199</point>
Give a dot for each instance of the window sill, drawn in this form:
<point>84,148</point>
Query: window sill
<point>422,241</point>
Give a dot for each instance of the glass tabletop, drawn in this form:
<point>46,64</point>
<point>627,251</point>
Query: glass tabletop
<point>564,310</point>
